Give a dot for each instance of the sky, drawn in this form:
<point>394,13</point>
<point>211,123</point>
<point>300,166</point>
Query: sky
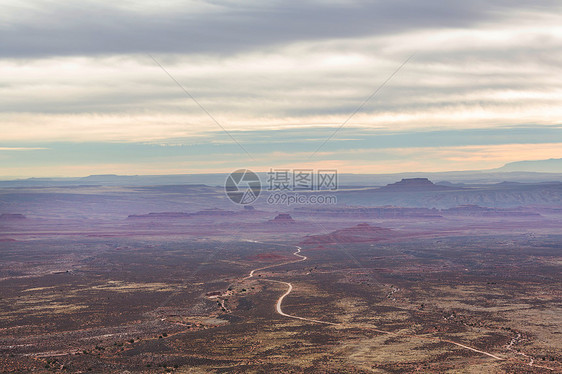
<point>174,87</point>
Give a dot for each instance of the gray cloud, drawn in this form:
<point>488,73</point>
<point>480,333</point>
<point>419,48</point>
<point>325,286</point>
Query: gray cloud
<point>83,73</point>
<point>88,28</point>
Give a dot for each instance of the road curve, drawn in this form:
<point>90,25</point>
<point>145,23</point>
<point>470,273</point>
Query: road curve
<point>289,290</point>
<point>279,309</point>
<point>280,301</point>
<point>297,253</point>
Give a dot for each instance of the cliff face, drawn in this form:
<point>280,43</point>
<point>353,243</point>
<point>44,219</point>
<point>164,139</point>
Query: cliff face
<point>472,210</point>
<point>370,212</point>
<point>172,215</point>
<point>163,215</point>
<point>10,217</point>
<point>282,218</point>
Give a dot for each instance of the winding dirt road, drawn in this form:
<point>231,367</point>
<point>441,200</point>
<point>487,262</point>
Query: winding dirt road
<point>279,310</point>
<point>289,289</point>
<point>297,253</point>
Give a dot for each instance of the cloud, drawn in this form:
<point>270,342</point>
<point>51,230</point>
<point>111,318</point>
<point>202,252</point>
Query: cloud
<point>301,85</point>
<point>86,159</point>
<point>81,27</point>
<point>79,72</point>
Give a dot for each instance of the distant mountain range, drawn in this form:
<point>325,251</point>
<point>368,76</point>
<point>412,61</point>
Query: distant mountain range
<point>422,193</point>
<point>521,171</point>
<point>553,165</point>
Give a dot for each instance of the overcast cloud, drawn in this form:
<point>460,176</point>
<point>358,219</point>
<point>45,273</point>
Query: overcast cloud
<point>63,28</point>
<point>80,71</point>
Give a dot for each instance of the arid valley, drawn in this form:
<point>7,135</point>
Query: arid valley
<point>176,279</point>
